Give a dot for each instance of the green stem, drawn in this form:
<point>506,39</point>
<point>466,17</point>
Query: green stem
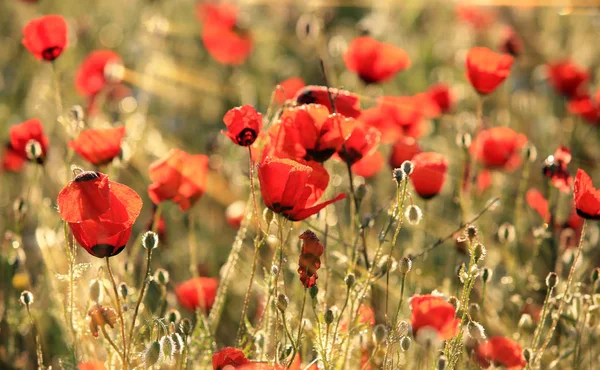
<point>300,326</point>
<point>119,311</point>
<point>140,298</point>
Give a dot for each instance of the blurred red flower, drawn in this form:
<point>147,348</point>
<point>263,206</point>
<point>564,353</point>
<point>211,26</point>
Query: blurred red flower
<point>243,125</point>
<point>429,174</point>
<point>289,89</point>
<point>404,149</point>
<point>197,293</point>
<point>230,357</point>
<point>587,198</point>
<point>498,148</point>
<point>293,189</point>
<point>567,78</point>
<point>536,200</point>
<point>433,313</point>
<point>396,116</point>
<point>46,37</point>
<point>262,366</point>
<point>12,161</point>
<point>99,146</point>
<point>486,70</point>
<point>346,103</point>
<point>23,134</point>
<point>477,17</point>
<point>586,107</point>
<point>99,212</point>
<point>91,365</point>
<point>225,40</point>
<point>180,177</point>
<point>555,169</point>
<point>360,140</point>
<point>510,42</point>
<point>500,351</point>
<point>375,61</point>
<point>369,165</point>
<point>441,97</point>
<point>310,258</point>
<point>90,77</point>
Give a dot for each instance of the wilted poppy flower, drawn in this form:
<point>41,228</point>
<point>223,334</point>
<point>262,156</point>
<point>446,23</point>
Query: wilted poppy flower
<point>91,365</point>
<point>224,39</point>
<point>586,107</point>
<point>500,351</point>
<point>429,174</point>
<point>510,42</point>
<point>100,317</point>
<point>433,313</point>
<point>197,293</point>
<point>310,258</point>
<point>486,70</point>
<point>99,146</point>
<point>25,134</point>
<point>587,198</point>
<point>179,177</point>
<point>536,200</point>
<point>293,189</point>
<point>360,140</point>
<point>369,165</point>
<point>243,125</point>
<point>230,357</point>
<point>90,76</point>
<point>289,89</point>
<point>46,37</point>
<point>12,161</point>
<point>476,16</point>
<point>498,148</point>
<point>375,61</point>
<point>555,168</point>
<point>404,149</point>
<point>99,212</point>
<point>235,213</point>
<point>567,78</point>
<point>346,103</point>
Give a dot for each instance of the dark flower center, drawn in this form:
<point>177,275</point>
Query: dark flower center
<point>51,53</point>
<point>87,176</point>
<point>246,137</point>
<point>106,250</point>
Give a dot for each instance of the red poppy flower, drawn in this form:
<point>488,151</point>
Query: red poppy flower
<point>429,174</point>
<point>90,78</point>
<point>555,168</point>
<point>235,213</point>
<point>369,165</point>
<point>399,116</point>
<point>46,37</point>
<point>310,258</point>
<point>375,61</point>
<point>538,203</point>
<point>197,293</point>
<point>567,78</point>
<point>179,177</point>
<point>262,366</point>
<point>229,356</point>
<point>477,17</point>
<point>346,103</point>
<point>23,133</point>
<point>293,189</point>
<point>12,161</point>
<point>222,36</point>
<point>99,146</point>
<point>404,149</point>
<point>99,212</point>
<point>510,42</point>
<point>586,107</point>
<point>587,198</point>
<point>433,313</point>
<point>498,148</point>
<point>243,125</point>
<point>91,365</point>
<point>500,351</point>
<point>486,70</point>
<point>289,89</point>
<point>360,140</point>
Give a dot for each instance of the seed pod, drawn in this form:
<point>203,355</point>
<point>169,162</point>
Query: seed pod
<point>329,317</point>
<point>152,354</point>
<point>26,298</point>
<point>282,302</point>
<point>350,280</point>
<point>551,280</point>
<point>405,343</point>
<point>150,240</point>
<point>405,265</point>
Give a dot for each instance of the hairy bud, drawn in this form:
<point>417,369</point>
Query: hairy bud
<point>150,240</point>
<point>551,280</point>
<point>26,298</point>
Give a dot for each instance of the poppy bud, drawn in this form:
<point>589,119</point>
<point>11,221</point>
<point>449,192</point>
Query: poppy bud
<point>329,316</point>
<point>26,298</point>
<point>405,265</point>
<point>408,167</point>
<point>463,140</point>
<point>186,326</point>
<point>486,275</point>
<point>152,354</point>
<point>506,233</point>
<point>173,316</point>
<point>33,150</point>
<point>442,361</point>
<point>399,175</point>
<point>162,276</point>
<point>268,215</point>
<point>474,311</point>
<point>313,291</point>
<point>405,343</point>
<point>150,240</point>
<point>551,280</point>
<point>530,152</point>
<point>476,331</point>
<point>479,252</point>
<point>124,290</point>
<point>350,280</point>
<point>413,214</point>
<point>528,355</point>
<point>95,291</point>
<point>471,232</point>
<point>380,333</point>
<point>77,113</point>
<point>282,302</point>
<point>168,346</point>
<point>525,321</point>
<point>595,274</point>
<point>177,341</point>
<point>455,302</point>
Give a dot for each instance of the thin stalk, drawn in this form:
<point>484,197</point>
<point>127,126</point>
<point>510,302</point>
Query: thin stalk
<point>400,199</point>
<point>540,326</point>
<point>119,311</point>
<point>36,337</point>
<point>192,245</point>
<point>140,298</point>
<point>71,260</point>
<point>112,344</point>
<point>300,326</point>
<point>402,284</point>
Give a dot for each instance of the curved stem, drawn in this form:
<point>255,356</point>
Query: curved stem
<point>140,298</point>
<point>399,212</point>
<point>119,311</point>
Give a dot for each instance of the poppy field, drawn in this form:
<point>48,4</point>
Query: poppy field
<point>282,185</point>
